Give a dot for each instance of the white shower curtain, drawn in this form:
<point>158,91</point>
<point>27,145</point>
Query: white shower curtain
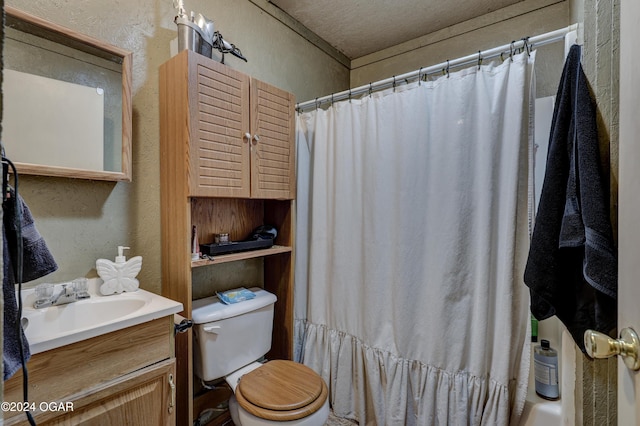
<point>411,241</point>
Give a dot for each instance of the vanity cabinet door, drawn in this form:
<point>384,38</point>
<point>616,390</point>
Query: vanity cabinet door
<point>145,397</point>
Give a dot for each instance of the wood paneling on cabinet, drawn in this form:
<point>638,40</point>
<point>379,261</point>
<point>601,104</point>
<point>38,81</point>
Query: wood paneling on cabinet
<point>143,397</point>
<point>94,370</point>
<point>239,132</point>
<point>272,155</point>
<point>227,153</point>
<point>221,97</point>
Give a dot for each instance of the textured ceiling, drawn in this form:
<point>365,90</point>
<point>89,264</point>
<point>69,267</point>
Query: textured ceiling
<point>359,27</point>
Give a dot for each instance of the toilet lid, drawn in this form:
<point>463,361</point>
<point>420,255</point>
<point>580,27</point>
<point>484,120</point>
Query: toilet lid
<point>281,385</point>
<point>281,390</point>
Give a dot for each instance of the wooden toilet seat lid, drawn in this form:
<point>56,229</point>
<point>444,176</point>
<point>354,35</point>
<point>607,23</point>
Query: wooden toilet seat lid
<point>281,390</point>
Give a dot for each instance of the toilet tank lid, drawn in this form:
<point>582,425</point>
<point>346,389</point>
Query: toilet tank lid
<point>212,309</point>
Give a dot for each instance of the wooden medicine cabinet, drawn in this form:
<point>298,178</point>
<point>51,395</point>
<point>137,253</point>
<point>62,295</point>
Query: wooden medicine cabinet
<point>66,101</point>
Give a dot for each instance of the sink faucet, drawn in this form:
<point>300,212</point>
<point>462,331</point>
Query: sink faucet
<point>68,294</point>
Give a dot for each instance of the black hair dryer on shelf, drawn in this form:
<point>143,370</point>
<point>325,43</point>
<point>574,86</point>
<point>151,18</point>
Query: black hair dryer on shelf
<point>264,232</point>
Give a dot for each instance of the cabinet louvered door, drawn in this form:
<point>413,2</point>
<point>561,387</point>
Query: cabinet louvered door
<point>220,151</point>
<point>272,143</point>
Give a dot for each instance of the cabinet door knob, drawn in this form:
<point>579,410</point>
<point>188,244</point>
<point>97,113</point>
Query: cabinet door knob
<point>256,139</point>
<point>599,345</point>
<point>247,137</point>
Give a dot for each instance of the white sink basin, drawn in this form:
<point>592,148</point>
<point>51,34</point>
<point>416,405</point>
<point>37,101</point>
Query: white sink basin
<point>56,326</point>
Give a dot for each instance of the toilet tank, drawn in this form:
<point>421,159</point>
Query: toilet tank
<point>228,337</point>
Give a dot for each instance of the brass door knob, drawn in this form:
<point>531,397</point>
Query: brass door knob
<point>599,345</point>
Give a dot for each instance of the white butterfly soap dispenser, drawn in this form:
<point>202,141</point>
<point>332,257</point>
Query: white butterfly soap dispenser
<point>120,275</point>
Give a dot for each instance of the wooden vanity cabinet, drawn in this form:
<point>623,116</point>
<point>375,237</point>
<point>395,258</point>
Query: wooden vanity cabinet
<point>227,157</point>
<point>122,377</point>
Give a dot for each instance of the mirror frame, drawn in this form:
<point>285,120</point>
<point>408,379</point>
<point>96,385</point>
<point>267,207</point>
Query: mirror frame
<point>65,36</point>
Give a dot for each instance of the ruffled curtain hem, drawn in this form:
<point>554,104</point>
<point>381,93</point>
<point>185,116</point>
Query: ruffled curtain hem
<point>376,387</point>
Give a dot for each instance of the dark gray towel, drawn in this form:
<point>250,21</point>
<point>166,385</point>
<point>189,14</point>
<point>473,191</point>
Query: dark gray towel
<point>572,266</point>
<point>37,262</point>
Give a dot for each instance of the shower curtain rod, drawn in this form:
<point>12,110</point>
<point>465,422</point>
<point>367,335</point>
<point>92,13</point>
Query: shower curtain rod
<point>529,42</point>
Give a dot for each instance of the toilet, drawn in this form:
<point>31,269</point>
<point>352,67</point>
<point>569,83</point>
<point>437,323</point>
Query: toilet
<point>228,342</point>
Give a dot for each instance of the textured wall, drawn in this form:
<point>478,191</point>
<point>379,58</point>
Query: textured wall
<point>601,59</point>
<point>527,18</point>
<point>84,220</point>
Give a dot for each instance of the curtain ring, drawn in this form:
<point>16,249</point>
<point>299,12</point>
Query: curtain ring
<point>526,46</point>
<point>447,68</point>
<point>511,50</point>
<point>394,83</point>
<point>479,59</point>
<point>332,99</point>
<point>420,76</point>
<point>316,102</point>
<point>349,95</point>
<point>370,89</point>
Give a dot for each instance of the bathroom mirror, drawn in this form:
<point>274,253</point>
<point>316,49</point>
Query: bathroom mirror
<point>66,101</point>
